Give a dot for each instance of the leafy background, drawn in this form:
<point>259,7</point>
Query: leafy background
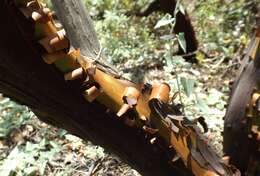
<point>142,50</point>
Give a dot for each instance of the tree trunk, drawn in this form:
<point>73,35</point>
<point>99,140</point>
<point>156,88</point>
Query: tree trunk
<point>74,16</point>
<point>242,115</point>
<point>27,79</point>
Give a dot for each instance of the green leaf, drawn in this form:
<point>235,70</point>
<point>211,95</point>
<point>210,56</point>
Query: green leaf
<point>214,97</point>
<point>55,145</point>
<point>188,85</point>
<point>30,147</point>
<point>10,164</point>
<point>164,22</point>
<point>201,104</point>
<point>179,8</point>
<point>182,41</point>
<point>43,143</point>
<point>30,171</point>
<point>62,132</point>
<point>182,10</point>
<point>178,60</point>
<point>42,168</point>
<point>167,37</point>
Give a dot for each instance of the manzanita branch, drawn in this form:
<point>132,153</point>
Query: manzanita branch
<point>140,106</point>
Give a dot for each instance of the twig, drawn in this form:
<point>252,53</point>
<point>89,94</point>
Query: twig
<point>99,53</point>
<point>171,50</point>
<point>92,167</point>
<point>96,165</point>
<point>179,90</point>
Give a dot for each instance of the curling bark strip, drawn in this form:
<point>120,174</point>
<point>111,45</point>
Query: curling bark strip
<point>141,106</point>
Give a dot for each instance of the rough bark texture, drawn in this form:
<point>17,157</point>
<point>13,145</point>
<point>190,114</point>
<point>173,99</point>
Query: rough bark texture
<point>27,79</point>
<point>74,16</point>
<point>237,125</point>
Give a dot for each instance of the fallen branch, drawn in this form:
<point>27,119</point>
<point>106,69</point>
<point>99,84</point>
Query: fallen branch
<point>143,108</point>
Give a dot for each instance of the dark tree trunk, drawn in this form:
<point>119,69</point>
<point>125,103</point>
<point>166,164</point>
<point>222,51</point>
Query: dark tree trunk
<point>27,79</point>
<point>237,123</point>
<point>238,120</point>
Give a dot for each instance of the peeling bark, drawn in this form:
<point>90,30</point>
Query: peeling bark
<point>28,80</point>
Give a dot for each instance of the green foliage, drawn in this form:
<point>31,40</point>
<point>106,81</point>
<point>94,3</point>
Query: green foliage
<point>97,7</point>
<point>12,116</point>
<point>29,147</point>
<point>188,85</point>
<point>123,42</point>
<point>225,23</point>
<point>182,41</point>
<point>29,159</point>
<point>166,20</point>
